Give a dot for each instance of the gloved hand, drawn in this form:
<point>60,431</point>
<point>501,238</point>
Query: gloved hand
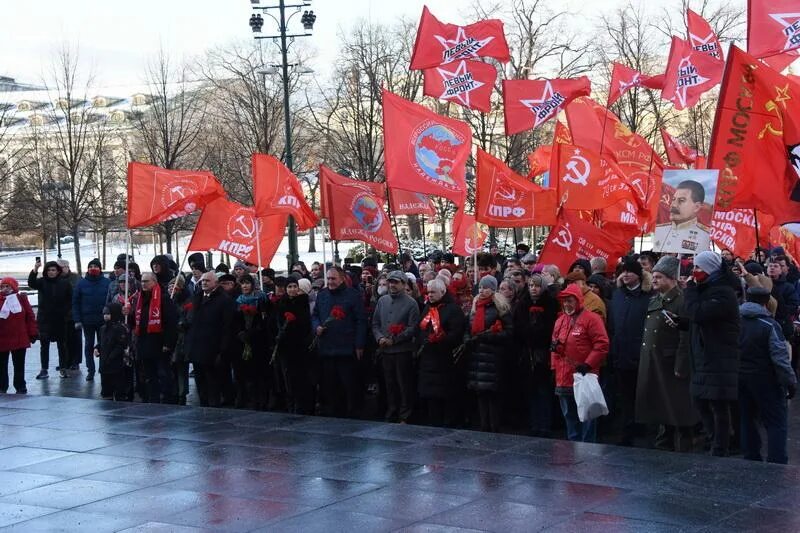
<point>78,326</point>
<point>791,390</point>
<point>583,368</point>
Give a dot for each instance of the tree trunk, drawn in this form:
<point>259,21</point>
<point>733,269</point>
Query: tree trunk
<point>518,236</point>
<point>76,248</point>
<point>443,236</point>
<point>104,236</point>
<point>312,240</point>
<point>414,227</point>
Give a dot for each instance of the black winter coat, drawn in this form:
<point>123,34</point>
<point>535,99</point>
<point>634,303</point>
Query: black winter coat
<point>114,341</point>
<point>151,345</point>
<point>55,303</point>
<point>490,353</point>
<point>712,315</point>
<point>296,336</point>
<point>437,370</point>
<point>210,327</point>
<point>626,318</point>
<point>533,326</point>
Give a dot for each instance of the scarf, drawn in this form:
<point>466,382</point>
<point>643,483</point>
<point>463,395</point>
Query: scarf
<point>10,306</point>
<point>254,298</point>
<point>479,319</point>
<point>154,312</point>
<point>433,319</point>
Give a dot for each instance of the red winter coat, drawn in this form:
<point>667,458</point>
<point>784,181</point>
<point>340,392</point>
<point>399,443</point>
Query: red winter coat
<point>583,341</point>
<point>18,329</point>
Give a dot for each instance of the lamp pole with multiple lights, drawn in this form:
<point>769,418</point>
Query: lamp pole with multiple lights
<point>285,40</point>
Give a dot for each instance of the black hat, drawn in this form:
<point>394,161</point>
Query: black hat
<point>269,272</point>
<point>369,261</point>
<point>227,277</point>
<point>281,281</point>
<point>222,267</point>
<point>197,260</point>
<point>96,262</point>
<point>52,264</point>
<point>630,264</point>
<point>754,268</point>
<point>449,258</point>
<point>758,295</point>
<point>119,264</point>
<point>524,247</point>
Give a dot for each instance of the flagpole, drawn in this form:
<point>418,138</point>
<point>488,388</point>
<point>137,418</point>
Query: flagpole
<point>258,251</point>
<point>755,221</point>
<point>424,245</point>
<point>649,173</point>
<point>324,253</point>
<point>180,273</point>
<point>127,261</point>
<point>392,218</point>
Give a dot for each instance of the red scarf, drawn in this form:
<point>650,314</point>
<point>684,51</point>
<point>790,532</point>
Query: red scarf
<point>154,314</point>
<point>479,319</point>
<point>435,322</point>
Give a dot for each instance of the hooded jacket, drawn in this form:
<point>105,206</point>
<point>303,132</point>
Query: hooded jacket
<point>89,299</point>
<point>18,328</point>
<point>55,300</point>
<point>114,340</point>
<point>577,338</point>
<point>763,347</point>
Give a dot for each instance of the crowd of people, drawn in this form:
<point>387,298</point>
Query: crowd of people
<point>689,351</point>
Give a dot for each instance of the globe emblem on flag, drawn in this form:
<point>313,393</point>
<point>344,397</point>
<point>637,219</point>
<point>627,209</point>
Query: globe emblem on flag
<point>435,151</point>
<point>368,213</point>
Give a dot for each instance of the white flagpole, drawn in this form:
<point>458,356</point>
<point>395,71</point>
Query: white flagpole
<point>258,252</point>
<point>127,259</point>
<point>324,252</point>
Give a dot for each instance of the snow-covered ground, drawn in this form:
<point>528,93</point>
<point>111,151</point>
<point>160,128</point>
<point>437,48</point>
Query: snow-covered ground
<point>18,264</point>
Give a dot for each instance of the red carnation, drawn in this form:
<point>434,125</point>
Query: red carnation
<point>288,316</point>
<point>396,329</point>
<point>337,312</point>
<point>536,309</point>
<point>248,309</point>
<point>188,306</point>
<point>497,327</point>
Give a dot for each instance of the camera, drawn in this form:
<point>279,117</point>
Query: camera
<point>555,345</point>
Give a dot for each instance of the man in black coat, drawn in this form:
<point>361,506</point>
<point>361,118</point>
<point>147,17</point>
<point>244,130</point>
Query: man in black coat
<point>712,315</point>
<point>209,336</point>
<point>55,302</point>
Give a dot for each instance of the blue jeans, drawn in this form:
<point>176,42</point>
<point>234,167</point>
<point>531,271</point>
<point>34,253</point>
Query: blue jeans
<point>762,399</point>
<point>91,338</point>
<point>576,430</point>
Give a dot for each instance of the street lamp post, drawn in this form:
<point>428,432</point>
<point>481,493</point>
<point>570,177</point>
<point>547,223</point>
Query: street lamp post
<point>256,23</point>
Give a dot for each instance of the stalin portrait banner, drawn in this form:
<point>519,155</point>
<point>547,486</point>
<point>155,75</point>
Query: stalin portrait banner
<point>684,213</point>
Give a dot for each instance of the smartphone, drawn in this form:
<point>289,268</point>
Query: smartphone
<point>38,259</point>
<point>669,317</point>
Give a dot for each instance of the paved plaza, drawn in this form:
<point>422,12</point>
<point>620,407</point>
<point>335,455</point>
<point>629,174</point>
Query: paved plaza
<point>71,464</point>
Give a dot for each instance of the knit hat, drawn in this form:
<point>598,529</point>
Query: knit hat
<point>754,268</point>
<point>449,258</point>
<point>669,266</point>
<point>759,295</point>
<point>96,262</point>
<point>305,285</point>
<point>708,262</point>
<point>62,263</point>
<point>240,264</point>
<point>529,258</point>
<point>488,282</point>
<point>596,279</point>
<point>630,264</point>
<point>585,265</point>
<point>11,282</point>
<point>576,275</point>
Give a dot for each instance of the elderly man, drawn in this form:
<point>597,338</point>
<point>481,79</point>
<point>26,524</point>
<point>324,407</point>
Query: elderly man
<point>393,323</point>
<point>340,324</point>
<point>209,336</point>
<point>662,389</point>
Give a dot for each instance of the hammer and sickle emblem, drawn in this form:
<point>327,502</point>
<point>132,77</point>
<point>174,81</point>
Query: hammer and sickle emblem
<point>772,107</point>
<point>578,169</point>
<point>245,227</point>
<point>508,194</point>
<point>564,238</point>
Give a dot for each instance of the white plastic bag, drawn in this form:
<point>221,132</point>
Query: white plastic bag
<point>589,397</point>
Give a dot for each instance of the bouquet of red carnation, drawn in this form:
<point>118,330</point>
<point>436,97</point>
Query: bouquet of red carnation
<point>188,306</point>
<point>497,327</point>
<point>396,329</point>
<point>337,313</point>
<point>536,309</point>
<point>288,318</point>
<point>248,310</point>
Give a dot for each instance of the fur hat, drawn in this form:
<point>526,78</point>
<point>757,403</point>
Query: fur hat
<point>669,266</point>
<point>630,264</point>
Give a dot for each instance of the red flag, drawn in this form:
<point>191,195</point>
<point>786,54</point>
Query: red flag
<point>572,238</point>
<point>702,38</point>
<point>424,152</point>
<point>735,230</point>
<point>507,200</point>
<point>756,143</point>
<point>539,160</point>
<point>156,194</point>
<point>587,180</point>
<point>781,61</point>
<point>438,43</point>
<point>277,190</point>
<point>467,83</point>
<point>561,134</point>
<point>624,78</point>
<point>410,203</point>
<point>677,152</point>
<point>589,120</point>
<point>468,235</point>
<point>329,177</point>
<point>773,27</point>
<point>689,74</point>
<point>529,103</point>
<point>231,228</point>
<point>623,220</point>
<point>360,217</point>
<point>784,238</point>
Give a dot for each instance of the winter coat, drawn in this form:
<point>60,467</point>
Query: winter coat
<point>17,330</point>
<point>437,370</point>
<point>183,305</point>
<point>297,335</point>
<point>89,299</point>
<point>210,327</point>
<point>594,303</point>
<point>577,338</point>
<point>533,327</point>
<point>763,351</point>
<point>257,329</point>
<point>401,310</point>
<point>712,316</point>
<point>114,339</point>
<point>765,282</point>
<point>661,397</point>
<point>786,296</point>
<point>489,357</point>
<point>55,300</point>
<point>151,345</point>
<point>626,318</point>
<point>341,337</point>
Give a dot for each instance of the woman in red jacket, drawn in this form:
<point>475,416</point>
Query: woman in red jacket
<point>580,344</point>
<point>17,332</point>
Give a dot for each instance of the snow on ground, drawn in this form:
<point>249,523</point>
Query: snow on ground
<point>18,264</point>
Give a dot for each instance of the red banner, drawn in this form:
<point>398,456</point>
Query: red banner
<point>773,27</point>
<point>467,83</point>
<point>757,145</point>
<point>507,200</point>
<point>329,177</point>
<point>229,227</point>
<point>624,78</point>
<point>702,37</point>
<point>410,203</point>
<point>468,235</point>
<point>360,217</point>
<point>529,103</point>
<point>277,190</point>
<point>156,194</point>
<point>735,230</point>
<point>424,152</point>
<point>572,238</point>
<point>689,74</point>
<point>677,152</point>
<point>539,160</point>
<point>438,43</point>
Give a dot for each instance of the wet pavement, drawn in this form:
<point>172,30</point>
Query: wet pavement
<point>70,464</point>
